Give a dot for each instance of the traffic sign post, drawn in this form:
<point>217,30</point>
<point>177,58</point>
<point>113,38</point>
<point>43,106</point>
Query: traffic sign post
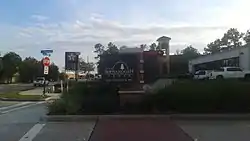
<point>46,70</point>
<point>46,63</point>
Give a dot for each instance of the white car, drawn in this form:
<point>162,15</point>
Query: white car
<point>229,72</point>
<point>202,74</point>
<point>40,81</point>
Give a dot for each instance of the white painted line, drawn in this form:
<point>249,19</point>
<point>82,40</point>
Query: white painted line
<point>15,105</point>
<point>22,107</point>
<point>31,134</point>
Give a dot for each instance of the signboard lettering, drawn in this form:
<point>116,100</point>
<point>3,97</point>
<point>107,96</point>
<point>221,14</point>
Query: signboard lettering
<point>119,72</point>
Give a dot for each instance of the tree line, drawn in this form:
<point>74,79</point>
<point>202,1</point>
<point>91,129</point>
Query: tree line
<point>230,40</point>
<point>25,70</point>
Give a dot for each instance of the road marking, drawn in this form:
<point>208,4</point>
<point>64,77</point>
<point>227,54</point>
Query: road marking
<point>31,134</point>
<point>15,105</point>
<point>22,107</point>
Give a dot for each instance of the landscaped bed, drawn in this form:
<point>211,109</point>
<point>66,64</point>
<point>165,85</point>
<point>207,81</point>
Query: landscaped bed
<point>226,96</point>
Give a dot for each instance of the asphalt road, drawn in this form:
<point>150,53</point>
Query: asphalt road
<point>24,125</point>
<point>5,88</point>
<point>15,123</point>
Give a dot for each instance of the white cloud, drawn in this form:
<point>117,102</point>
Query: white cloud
<point>205,25</point>
<point>39,17</point>
<point>83,35</point>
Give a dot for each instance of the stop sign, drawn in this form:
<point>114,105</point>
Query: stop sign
<point>46,61</point>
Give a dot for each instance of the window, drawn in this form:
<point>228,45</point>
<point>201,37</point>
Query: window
<point>234,69</point>
<point>219,69</point>
<point>200,73</point>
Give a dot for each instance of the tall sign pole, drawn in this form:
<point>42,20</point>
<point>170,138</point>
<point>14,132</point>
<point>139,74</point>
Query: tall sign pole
<point>46,63</point>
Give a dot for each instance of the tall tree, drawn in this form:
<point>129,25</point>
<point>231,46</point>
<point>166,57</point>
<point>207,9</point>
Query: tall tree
<point>152,46</point>
<point>112,48</point>
<point>28,69</point>
<point>11,62</point>
<point>232,38</point>
<point>247,37</point>
<point>86,66</point>
<point>213,47</point>
<point>99,49</point>
<point>53,72</point>
<point>190,52</point>
<point>1,68</point>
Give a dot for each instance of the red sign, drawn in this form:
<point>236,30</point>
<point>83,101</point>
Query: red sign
<point>46,61</point>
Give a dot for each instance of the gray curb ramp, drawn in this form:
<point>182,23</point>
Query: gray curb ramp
<point>68,118</point>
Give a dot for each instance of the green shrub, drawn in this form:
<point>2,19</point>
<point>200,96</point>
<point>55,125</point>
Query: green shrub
<point>58,107</point>
<point>87,98</point>
<point>204,97</point>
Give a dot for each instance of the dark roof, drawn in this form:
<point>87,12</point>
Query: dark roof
<point>163,38</point>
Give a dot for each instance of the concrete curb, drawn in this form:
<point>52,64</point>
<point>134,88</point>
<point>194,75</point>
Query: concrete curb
<point>67,118</point>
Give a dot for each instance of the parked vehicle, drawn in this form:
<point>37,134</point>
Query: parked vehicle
<point>229,72</point>
<point>40,81</point>
<point>202,74</point>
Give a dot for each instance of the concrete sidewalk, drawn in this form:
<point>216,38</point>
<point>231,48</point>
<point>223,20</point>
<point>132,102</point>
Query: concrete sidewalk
<point>39,91</point>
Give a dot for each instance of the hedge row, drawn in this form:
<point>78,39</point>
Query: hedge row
<point>88,98</point>
<point>203,97</point>
<point>223,96</point>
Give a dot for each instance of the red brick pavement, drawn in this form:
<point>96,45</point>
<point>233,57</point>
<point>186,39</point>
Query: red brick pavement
<point>138,130</point>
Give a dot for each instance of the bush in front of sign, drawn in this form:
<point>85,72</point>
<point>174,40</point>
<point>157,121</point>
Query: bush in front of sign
<point>87,98</point>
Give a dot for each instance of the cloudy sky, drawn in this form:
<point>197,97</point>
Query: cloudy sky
<point>27,26</point>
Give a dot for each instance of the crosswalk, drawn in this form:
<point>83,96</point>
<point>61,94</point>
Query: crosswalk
<point>59,131</point>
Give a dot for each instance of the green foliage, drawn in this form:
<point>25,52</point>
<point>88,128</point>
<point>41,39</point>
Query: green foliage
<point>88,98</point>
<point>247,37</point>
<point>213,47</point>
<point>11,62</point>
<point>152,46</point>
<point>112,48</point>
<point>190,52</point>
<point>53,72</point>
<point>28,69</point>
<point>203,97</point>
<point>85,66</point>
<point>231,39</point>
<point>99,49</point>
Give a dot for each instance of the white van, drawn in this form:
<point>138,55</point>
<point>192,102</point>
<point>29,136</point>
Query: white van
<point>202,74</point>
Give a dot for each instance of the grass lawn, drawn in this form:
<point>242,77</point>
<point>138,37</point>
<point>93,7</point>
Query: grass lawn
<point>16,96</point>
